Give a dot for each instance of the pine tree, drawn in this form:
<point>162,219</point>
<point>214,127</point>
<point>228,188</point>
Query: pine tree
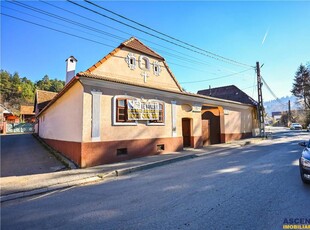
<point>301,85</point>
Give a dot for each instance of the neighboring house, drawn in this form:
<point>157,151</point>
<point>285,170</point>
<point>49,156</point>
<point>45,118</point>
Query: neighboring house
<point>129,104</point>
<point>276,116</point>
<point>42,98</point>
<point>27,113</point>
<point>239,121</point>
<point>230,92</point>
<point>6,117</point>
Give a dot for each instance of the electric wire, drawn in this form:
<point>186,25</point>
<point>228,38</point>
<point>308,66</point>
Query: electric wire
<point>31,15</point>
<point>111,35</point>
<point>63,19</point>
<point>229,75</point>
<point>173,38</point>
<point>87,27</point>
<point>272,93</point>
<point>106,34</point>
<point>150,34</point>
<point>60,31</point>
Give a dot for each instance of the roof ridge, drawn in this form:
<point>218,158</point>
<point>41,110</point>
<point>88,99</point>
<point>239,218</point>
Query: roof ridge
<point>45,91</point>
<point>132,39</point>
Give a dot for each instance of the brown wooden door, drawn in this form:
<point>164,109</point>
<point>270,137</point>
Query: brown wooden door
<point>206,132</point>
<point>186,132</point>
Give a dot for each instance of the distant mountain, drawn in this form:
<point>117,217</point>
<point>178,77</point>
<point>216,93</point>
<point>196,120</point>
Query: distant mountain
<point>281,104</point>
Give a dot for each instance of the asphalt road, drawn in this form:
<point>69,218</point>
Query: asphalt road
<point>22,154</point>
<point>253,187</point>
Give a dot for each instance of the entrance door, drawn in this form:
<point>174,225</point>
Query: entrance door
<point>206,132</point>
<point>211,128</point>
<point>186,132</point>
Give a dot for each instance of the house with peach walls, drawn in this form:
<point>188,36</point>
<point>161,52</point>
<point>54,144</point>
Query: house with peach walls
<point>129,104</point>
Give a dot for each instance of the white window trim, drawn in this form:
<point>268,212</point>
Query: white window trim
<point>114,122</point>
<point>147,60</point>
<point>156,64</point>
<point>161,123</point>
<point>174,118</point>
<point>129,57</point>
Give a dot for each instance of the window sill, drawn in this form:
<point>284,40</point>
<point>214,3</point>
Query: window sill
<point>155,124</point>
<point>125,124</point>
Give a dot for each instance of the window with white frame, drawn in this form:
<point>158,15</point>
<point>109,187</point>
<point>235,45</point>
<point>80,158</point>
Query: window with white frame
<point>144,62</point>
<point>131,61</point>
<point>156,68</point>
<point>120,115</point>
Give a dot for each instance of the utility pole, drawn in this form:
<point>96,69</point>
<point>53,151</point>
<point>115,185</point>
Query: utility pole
<point>260,106</point>
<point>289,113</point>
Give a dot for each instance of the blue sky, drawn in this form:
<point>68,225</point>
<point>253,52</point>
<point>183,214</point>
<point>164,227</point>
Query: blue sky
<point>274,33</point>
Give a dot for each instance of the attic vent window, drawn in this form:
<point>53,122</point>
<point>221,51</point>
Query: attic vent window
<point>144,63</point>
<point>131,61</point>
<point>156,68</point>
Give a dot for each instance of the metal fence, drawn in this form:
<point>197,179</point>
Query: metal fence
<point>20,128</point>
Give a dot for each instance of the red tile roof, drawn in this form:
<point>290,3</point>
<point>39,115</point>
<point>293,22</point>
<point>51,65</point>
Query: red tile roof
<point>131,43</point>
<point>135,44</point>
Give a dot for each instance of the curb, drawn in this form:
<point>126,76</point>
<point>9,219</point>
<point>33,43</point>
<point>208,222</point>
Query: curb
<point>51,188</point>
<point>125,171</point>
<point>112,174</point>
<point>99,177</point>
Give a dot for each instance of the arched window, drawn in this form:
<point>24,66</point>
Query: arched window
<point>144,62</point>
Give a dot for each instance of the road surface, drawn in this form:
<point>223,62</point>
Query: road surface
<point>251,187</point>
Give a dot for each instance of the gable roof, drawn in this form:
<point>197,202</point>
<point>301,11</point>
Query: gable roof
<point>26,109</point>
<point>230,92</point>
<point>134,44</point>
<point>131,43</point>
<point>42,98</point>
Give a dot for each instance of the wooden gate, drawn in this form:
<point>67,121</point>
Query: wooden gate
<point>211,128</point>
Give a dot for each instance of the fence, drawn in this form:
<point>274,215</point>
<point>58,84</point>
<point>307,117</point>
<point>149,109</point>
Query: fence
<point>20,128</point>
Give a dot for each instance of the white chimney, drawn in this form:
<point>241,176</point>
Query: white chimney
<point>70,70</point>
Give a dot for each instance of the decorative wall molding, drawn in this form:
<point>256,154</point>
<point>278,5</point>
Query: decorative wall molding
<point>131,61</point>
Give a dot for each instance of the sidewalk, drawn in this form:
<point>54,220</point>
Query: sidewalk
<point>22,186</point>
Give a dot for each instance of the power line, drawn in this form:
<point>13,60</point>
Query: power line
<point>31,15</point>
<point>229,75</point>
<point>272,93</point>
<point>64,19</point>
<point>102,32</point>
<point>184,47</point>
<point>52,15</point>
<point>60,31</point>
<point>166,35</point>
<point>96,30</point>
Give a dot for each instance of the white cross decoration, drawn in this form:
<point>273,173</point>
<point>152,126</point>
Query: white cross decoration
<point>144,74</point>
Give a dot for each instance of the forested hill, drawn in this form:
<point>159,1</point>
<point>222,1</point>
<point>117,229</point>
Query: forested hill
<point>16,90</point>
<point>281,104</point>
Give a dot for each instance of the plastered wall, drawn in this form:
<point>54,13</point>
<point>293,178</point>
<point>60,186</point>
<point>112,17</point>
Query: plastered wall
<point>63,119</point>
